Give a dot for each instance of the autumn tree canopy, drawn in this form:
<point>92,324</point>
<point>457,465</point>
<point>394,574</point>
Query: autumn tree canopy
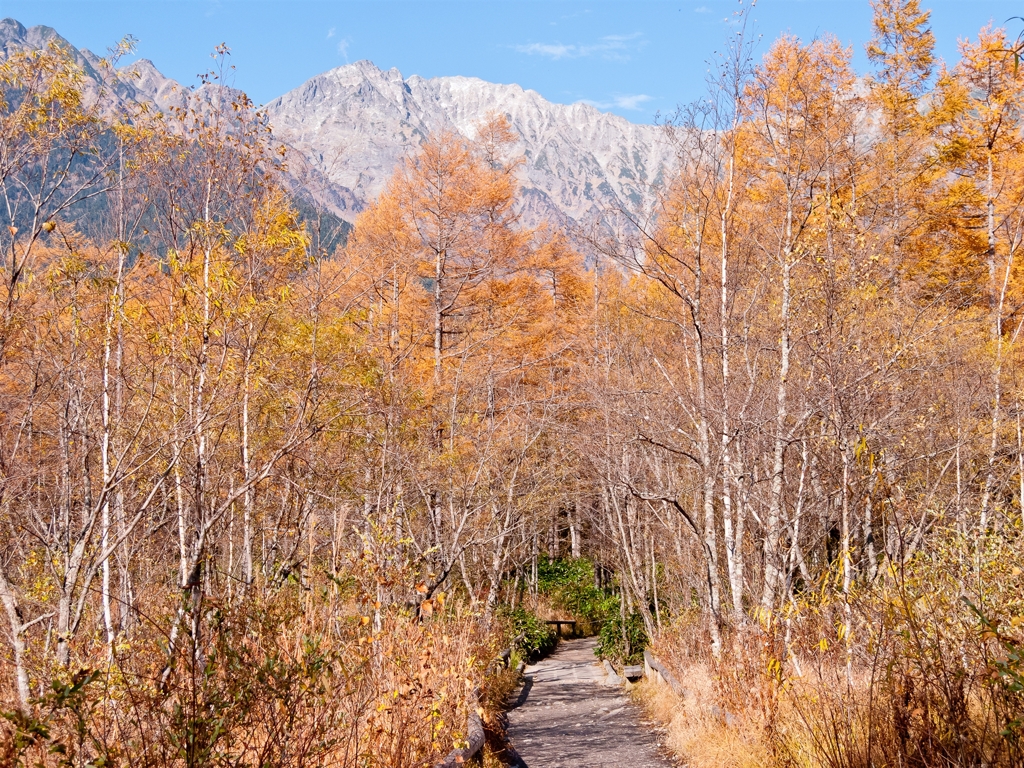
<point>258,491</point>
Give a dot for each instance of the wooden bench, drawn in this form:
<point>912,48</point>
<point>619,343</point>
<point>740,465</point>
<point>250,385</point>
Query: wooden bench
<point>558,626</point>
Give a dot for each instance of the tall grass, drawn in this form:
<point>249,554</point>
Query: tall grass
<point>283,681</point>
<point>931,673</point>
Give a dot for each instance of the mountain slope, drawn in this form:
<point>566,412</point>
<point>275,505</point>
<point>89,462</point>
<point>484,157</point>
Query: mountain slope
<point>348,128</point>
<point>139,81</point>
<point>355,123</point>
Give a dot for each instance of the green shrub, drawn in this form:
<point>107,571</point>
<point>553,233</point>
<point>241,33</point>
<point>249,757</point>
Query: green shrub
<point>622,643</point>
<point>570,583</point>
<point>553,573</point>
<point>538,637</point>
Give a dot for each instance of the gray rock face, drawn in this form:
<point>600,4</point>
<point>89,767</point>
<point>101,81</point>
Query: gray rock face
<point>137,82</point>
<point>150,85</point>
<point>356,122</point>
<point>348,129</point>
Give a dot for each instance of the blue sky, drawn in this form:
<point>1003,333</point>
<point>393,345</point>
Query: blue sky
<point>633,58</point>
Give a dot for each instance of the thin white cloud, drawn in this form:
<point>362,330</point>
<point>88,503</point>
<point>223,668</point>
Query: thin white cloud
<point>629,101</point>
<point>330,33</point>
<point>702,9</point>
<point>612,47</point>
<point>343,47</point>
<point>632,102</point>
<point>551,50</point>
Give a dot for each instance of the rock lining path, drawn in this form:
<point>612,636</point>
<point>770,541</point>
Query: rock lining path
<point>566,715</point>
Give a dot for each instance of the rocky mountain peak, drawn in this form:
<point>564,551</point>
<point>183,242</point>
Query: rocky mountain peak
<point>349,128</point>
<point>356,123</point>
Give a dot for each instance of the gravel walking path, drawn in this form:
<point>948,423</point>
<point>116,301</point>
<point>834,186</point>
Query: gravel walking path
<point>566,715</point>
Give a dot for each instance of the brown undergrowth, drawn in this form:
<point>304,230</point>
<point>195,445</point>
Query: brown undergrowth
<point>923,667</point>
<point>698,730</point>
<point>275,683</point>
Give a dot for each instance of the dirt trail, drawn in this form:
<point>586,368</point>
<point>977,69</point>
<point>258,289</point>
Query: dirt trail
<point>565,715</point>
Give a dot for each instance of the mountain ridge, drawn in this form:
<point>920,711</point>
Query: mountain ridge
<point>347,130</point>
<point>578,161</point>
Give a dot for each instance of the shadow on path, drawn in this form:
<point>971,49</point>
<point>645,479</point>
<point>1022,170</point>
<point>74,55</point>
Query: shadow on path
<point>565,715</point>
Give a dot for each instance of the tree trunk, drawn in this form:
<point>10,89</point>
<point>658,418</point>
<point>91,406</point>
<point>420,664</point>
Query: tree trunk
<point>773,525</point>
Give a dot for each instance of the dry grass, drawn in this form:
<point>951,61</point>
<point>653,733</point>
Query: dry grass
<point>281,688</point>
<point>545,608</point>
<point>696,728</point>
<point>930,682</point>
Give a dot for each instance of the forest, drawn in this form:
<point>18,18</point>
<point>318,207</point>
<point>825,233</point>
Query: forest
<point>272,499</point>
